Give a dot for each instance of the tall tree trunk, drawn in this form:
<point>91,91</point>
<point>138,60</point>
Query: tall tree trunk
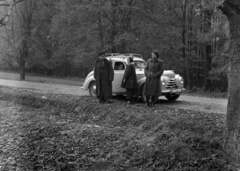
<point>100,31</point>
<point>232,136</point>
<point>23,55</point>
<point>22,69</point>
<point>113,33</point>
<point>208,67</point>
<point>184,43</point>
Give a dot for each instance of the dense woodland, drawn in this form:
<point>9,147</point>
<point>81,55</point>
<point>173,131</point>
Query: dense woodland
<point>62,37</point>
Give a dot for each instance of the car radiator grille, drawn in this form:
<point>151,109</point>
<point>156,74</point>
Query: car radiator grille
<point>171,84</point>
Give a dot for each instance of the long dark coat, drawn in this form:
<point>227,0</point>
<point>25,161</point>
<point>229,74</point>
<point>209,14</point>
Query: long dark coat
<point>153,72</point>
<point>130,78</point>
<point>104,75</point>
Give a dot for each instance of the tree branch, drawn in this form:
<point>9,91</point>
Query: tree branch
<point>228,6</point>
<point>10,4</point>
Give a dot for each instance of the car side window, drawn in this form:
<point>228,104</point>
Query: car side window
<point>140,64</point>
<point>119,66</point>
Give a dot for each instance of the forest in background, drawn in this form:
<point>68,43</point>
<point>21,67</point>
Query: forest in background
<point>62,37</point>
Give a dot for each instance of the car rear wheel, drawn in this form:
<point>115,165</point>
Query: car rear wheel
<point>172,97</point>
<point>92,89</point>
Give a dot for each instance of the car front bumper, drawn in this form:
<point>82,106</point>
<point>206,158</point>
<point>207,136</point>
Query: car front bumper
<point>172,91</point>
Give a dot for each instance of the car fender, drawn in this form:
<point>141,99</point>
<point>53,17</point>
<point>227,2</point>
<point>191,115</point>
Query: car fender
<point>178,81</point>
<point>87,82</point>
<point>140,83</point>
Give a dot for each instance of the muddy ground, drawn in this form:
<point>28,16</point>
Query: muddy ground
<point>68,133</point>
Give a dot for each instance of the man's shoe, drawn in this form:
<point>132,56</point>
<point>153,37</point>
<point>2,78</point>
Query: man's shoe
<point>102,101</point>
<point>109,101</point>
<point>148,104</point>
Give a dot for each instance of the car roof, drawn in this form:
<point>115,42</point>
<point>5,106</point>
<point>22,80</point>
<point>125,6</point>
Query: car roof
<point>123,57</point>
<point>123,54</point>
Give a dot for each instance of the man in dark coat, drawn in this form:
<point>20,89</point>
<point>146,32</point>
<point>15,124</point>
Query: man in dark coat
<point>130,81</point>
<point>153,72</point>
<point>103,74</point>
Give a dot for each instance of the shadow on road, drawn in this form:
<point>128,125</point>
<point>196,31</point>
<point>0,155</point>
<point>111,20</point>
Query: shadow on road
<point>169,102</point>
<point>160,101</point>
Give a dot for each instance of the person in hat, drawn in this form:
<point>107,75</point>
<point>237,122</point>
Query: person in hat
<point>153,73</point>
<point>104,75</point>
<point>130,81</point>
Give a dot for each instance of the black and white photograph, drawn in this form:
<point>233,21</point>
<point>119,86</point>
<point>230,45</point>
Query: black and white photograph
<point>119,85</point>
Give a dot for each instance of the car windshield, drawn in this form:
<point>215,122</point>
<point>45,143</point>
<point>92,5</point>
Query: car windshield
<point>140,64</point>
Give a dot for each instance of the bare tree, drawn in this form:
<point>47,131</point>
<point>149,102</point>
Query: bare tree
<point>19,32</point>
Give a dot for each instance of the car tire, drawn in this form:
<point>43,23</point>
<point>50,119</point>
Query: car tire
<point>92,89</point>
<point>172,97</point>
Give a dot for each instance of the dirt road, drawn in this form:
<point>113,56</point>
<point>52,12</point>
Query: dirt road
<point>210,105</point>
<point>44,87</point>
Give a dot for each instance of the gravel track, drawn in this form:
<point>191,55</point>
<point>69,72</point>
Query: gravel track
<point>210,105</point>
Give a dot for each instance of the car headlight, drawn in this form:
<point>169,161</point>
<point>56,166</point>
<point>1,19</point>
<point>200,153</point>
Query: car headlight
<point>181,80</point>
<point>163,81</point>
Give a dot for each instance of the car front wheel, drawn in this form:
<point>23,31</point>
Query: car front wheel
<point>92,89</point>
<point>172,97</point>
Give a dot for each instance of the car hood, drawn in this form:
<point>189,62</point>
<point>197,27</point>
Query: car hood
<point>169,73</point>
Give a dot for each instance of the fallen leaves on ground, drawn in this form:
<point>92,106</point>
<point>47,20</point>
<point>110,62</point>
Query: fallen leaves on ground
<point>69,133</point>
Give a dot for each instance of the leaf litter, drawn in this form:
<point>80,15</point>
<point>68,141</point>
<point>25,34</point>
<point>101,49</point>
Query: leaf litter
<point>70,133</point>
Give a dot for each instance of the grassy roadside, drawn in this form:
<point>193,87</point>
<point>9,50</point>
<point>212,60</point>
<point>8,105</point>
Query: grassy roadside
<point>76,133</point>
<point>43,79</point>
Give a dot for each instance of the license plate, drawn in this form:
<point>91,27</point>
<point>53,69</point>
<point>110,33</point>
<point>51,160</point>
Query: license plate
<point>175,91</point>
